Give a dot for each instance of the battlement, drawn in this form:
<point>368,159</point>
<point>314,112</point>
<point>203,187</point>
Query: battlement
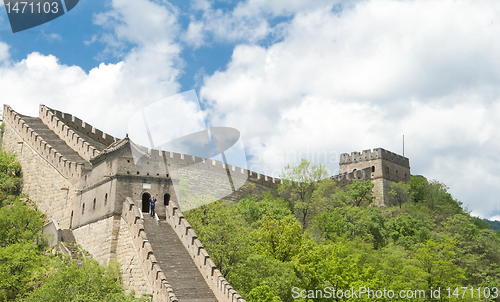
<point>179,159</point>
<point>216,281</point>
<point>67,168</point>
<point>162,289</point>
<point>78,124</point>
<point>377,153</point>
<point>75,141</point>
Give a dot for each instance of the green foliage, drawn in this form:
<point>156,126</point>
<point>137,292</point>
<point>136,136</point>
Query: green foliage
<point>21,266</point>
<point>10,177</point>
<point>19,223</point>
<point>257,269</point>
<point>254,209</point>
<point>27,271</point>
<point>360,192</point>
<point>300,184</point>
<point>282,239</point>
<point>418,188</point>
<point>424,239</point>
<point>262,293</point>
<point>399,193</point>
<point>91,283</point>
<point>223,234</point>
<point>493,224</point>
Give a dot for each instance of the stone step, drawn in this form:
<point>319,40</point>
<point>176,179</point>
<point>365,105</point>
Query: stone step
<point>53,139</point>
<point>176,263</point>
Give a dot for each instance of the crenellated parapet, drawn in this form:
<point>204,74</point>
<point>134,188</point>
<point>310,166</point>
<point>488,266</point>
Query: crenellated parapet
<point>70,137</point>
<point>163,291</point>
<point>69,169</point>
<point>79,125</point>
<point>184,160</point>
<point>216,281</point>
<point>374,154</point>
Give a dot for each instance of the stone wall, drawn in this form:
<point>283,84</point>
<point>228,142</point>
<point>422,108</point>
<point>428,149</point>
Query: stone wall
<point>67,168</point>
<point>72,139</point>
<point>79,125</point>
<point>161,289</point>
<point>216,281</point>
<point>109,239</point>
<point>51,190</point>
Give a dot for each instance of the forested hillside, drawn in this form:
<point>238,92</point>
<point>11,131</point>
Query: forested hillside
<point>495,225</point>
<point>316,235</point>
<point>30,271</point>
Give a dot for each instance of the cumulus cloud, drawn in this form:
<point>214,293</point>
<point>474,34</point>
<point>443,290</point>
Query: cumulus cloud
<point>361,77</point>
<point>108,94</point>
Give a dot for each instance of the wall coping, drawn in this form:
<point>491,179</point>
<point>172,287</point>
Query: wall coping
<point>216,281</point>
<point>161,288</point>
<point>59,126</point>
<point>68,169</point>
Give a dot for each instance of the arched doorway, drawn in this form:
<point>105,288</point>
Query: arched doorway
<point>166,199</point>
<point>145,202</point>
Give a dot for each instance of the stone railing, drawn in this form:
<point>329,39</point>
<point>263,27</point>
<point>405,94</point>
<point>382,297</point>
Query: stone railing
<point>180,160</point>
<point>83,127</point>
<point>162,291</point>
<point>67,168</point>
<point>75,141</point>
<point>216,281</point>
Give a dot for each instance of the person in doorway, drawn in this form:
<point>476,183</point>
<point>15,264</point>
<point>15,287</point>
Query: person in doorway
<point>152,202</point>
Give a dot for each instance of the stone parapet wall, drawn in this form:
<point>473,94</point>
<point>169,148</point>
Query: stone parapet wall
<point>50,189</point>
<point>378,153</point>
<point>67,168</point>
<point>78,124</point>
<point>58,125</point>
<point>214,278</point>
<point>180,160</point>
<point>162,291</point>
<point>109,239</point>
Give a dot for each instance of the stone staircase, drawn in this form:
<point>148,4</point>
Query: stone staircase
<point>174,260</point>
<point>53,139</point>
<point>67,238</point>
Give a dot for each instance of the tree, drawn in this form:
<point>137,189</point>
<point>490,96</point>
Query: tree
<point>281,239</point>
<point>222,231</point>
<point>437,261</point>
<point>399,193</point>
<point>299,183</point>
<point>10,176</point>
<point>91,283</point>
<point>360,191</point>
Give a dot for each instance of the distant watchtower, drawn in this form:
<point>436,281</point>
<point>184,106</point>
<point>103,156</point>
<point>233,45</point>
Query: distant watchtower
<point>384,167</point>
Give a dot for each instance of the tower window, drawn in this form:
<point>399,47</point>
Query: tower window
<point>83,209</point>
<point>373,168</point>
<point>106,199</point>
<point>93,206</point>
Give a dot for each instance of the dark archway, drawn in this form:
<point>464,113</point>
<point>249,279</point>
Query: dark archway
<point>166,199</point>
<point>145,202</point>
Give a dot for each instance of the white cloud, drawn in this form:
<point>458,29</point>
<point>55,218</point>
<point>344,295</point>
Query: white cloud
<point>497,218</point>
<point>4,51</point>
<point>108,94</point>
<point>359,79</point>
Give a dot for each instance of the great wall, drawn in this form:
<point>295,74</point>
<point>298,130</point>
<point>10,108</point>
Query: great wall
<point>97,187</point>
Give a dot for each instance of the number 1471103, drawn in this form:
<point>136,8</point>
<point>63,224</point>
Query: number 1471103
<point>32,8</point>
<point>466,292</point>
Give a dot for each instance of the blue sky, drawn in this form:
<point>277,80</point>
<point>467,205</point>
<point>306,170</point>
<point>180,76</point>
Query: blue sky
<point>297,78</point>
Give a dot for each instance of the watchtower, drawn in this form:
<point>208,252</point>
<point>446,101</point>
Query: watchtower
<point>384,167</point>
